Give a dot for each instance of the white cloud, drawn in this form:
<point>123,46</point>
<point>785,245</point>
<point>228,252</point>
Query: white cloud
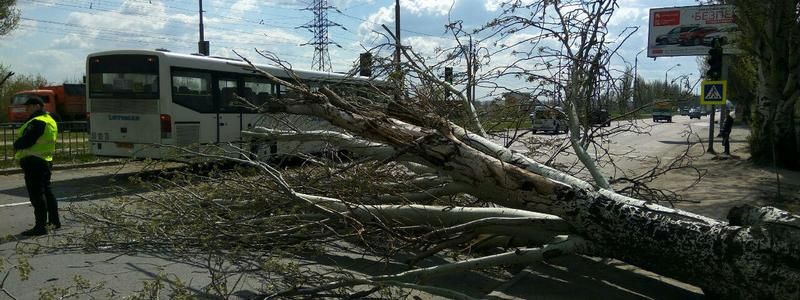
<point>241,7</point>
<point>629,16</point>
<point>419,8</point>
<point>494,5</point>
<point>428,45</point>
<point>62,63</point>
<point>185,19</point>
<point>428,7</point>
<point>384,15</point>
<point>72,40</point>
<point>132,15</point>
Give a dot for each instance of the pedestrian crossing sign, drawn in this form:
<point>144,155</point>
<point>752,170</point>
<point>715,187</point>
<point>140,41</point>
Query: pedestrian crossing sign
<point>714,92</point>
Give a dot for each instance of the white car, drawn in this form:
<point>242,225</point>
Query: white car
<point>725,35</point>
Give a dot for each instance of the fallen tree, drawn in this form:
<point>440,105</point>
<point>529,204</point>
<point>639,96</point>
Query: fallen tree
<point>421,184</point>
<point>754,257</point>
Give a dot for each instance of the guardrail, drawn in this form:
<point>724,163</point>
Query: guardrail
<point>72,140</point>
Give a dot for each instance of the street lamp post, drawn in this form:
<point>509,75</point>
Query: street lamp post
<point>636,76</point>
<point>665,77</point>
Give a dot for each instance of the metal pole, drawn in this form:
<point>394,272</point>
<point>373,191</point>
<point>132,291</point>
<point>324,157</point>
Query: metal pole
<point>665,78</point>
<point>399,79</point>
<point>723,111</point>
<point>202,45</point>
<point>635,78</point>
<point>469,71</point>
<point>201,20</point>
<point>711,130</point>
<point>397,35</point>
<point>723,76</point>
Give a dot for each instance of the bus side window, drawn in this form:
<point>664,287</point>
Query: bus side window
<point>262,90</point>
<point>228,99</point>
<point>227,90</point>
<point>192,89</point>
<point>263,97</point>
<point>249,95</point>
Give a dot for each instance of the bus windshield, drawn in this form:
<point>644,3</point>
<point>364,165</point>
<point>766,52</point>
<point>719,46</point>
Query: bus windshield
<point>123,76</point>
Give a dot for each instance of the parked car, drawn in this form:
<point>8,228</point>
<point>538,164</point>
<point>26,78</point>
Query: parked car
<point>672,36</point>
<point>694,113</point>
<point>549,119</point>
<point>695,36</point>
<point>684,111</point>
<point>725,35</point>
<point>601,117</point>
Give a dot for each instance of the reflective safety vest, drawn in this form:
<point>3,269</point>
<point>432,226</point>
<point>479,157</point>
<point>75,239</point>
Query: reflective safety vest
<point>45,146</point>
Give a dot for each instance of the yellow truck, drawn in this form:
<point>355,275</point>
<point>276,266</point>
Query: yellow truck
<point>662,111</point>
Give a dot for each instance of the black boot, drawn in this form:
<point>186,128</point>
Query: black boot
<point>35,231</point>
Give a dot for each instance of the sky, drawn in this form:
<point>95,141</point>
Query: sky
<point>55,36</point>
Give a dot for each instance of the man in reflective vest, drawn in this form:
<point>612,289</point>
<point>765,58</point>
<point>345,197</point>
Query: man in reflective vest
<point>35,146</point>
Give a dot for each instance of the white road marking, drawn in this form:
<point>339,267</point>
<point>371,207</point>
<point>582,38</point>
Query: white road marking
<point>14,204</point>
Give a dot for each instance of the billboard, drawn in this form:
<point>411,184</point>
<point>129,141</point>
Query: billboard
<point>691,30</point>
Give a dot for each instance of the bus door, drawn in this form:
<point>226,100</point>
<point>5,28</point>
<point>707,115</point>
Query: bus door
<point>229,111</point>
<point>258,91</point>
<point>195,114</point>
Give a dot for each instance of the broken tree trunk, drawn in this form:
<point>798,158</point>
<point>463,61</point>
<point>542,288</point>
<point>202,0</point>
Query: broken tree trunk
<point>730,261</point>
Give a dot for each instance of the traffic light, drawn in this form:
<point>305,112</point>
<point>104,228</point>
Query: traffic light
<point>448,74</point>
<point>448,77</point>
<point>714,63</point>
<point>365,64</point>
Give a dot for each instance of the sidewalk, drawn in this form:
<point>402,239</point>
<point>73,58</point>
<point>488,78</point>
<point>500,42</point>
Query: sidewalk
<point>17,170</point>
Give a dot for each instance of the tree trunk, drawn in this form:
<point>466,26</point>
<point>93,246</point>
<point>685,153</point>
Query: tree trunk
<point>771,29</point>
<point>730,261</point>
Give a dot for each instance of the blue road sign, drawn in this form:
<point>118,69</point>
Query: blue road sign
<point>714,92</point>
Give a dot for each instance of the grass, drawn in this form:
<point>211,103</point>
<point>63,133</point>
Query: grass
<point>502,125</point>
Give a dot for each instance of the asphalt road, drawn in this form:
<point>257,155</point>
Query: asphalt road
<point>561,278</point>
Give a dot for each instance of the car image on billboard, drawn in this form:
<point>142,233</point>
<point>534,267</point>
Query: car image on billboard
<point>673,36</point>
<point>695,36</point>
<point>725,35</point>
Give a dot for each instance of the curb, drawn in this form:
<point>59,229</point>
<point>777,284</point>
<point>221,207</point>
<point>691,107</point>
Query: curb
<point>11,171</point>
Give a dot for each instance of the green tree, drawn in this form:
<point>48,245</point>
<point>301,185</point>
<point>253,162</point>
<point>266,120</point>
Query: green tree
<point>9,16</point>
<point>771,35</point>
<point>742,81</point>
<point>624,88</point>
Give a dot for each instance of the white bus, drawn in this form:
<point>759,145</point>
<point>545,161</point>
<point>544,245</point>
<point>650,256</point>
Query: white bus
<point>140,100</point>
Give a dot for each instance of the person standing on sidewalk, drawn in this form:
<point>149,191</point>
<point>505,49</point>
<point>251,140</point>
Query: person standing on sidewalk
<point>34,149</point>
<point>725,131</point>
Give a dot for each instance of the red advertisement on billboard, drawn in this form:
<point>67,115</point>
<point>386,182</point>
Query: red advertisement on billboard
<point>667,18</point>
<point>692,30</point>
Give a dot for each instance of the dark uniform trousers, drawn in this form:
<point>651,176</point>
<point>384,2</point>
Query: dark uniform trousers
<point>37,180</point>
